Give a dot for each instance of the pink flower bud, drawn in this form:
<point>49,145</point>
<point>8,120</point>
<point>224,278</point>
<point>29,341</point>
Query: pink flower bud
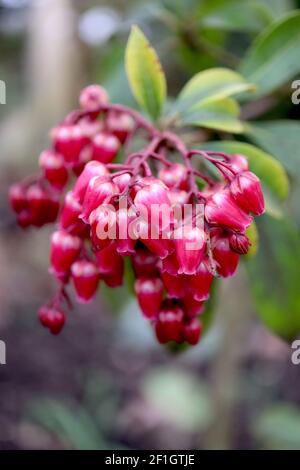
<point>239,163</point>
<point>108,260</point>
<point>111,266</point>
<point>91,169</point>
<point>170,264</point>
<point>100,190</point>
<point>85,156</point>
<point>69,141</point>
<point>191,306</point>
<point>160,247</point>
<point>24,218</point>
<point>103,222</point>
<point>221,209</point>
<point>149,292</point>
<point>115,279</point>
<point>52,318</point>
<point>190,243</point>
<point>200,282</point>
<point>92,97</point>
<point>125,244</point>
<point>65,248</point>
<point>174,176</point>
<point>169,326</point>
<point>86,278</point>
<point>104,147</point>
<point>71,210</point>
<point>226,259</point>
<point>176,286</point>
<point>122,181</point>
<point>120,124</point>
<point>192,331</point>
<point>43,205</point>
<point>239,243</point>
<point>53,167</point>
<point>18,197</point>
<point>247,193</point>
<point>144,263</point>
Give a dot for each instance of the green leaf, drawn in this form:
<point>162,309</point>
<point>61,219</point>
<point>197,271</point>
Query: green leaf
<point>145,74</point>
<point>269,170</point>
<point>234,15</point>
<point>274,277</point>
<point>221,115</point>
<point>273,58</point>
<point>209,86</point>
<point>280,138</point>
<point>252,234</point>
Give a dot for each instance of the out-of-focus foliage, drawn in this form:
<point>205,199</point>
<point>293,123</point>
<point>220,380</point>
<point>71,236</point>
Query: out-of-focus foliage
<point>278,427</point>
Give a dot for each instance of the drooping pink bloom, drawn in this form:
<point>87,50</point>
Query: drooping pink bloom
<point>190,243</point>
<point>192,331</point>
<point>18,197</point>
<point>65,248</point>
<point>176,286</point>
<point>52,318</point>
<point>226,259</point>
<point>43,205</point>
<point>91,169</point>
<point>149,292</point>
<point>200,282</point>
<point>104,147</point>
<point>69,141</point>
<point>222,209</point>
<point>144,263</point>
<point>247,193</point>
<point>52,164</point>
<point>191,306</point>
<point>85,276</point>
<point>100,190</point>
<point>120,125</point>
<point>169,326</point>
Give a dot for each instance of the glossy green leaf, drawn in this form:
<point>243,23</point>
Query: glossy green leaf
<point>222,115</point>
<point>274,277</point>
<point>210,86</point>
<point>269,170</point>
<point>273,59</point>
<point>145,74</point>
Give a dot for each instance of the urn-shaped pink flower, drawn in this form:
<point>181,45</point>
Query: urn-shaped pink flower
<point>222,209</point>
<point>247,193</point>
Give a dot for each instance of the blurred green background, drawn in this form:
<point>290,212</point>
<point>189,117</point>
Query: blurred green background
<point>104,383</point>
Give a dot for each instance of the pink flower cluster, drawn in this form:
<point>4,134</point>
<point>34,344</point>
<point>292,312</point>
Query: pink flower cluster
<point>174,269</point>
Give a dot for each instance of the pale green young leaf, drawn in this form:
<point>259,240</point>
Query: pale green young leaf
<point>145,74</point>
